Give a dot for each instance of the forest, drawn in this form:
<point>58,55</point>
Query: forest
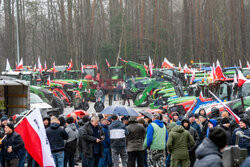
<point>90,31</point>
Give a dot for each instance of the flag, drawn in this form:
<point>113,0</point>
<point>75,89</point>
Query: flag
<point>218,72</point>
<point>48,81</point>
<point>20,65</point>
<point>150,66</point>
<point>123,60</point>
<point>179,66</point>
<point>108,63</point>
<point>146,68</point>
<point>186,69</point>
<point>40,67</point>
<point>240,63</point>
<point>70,65</point>
<point>241,78</point>
<point>54,67</point>
<point>82,69</point>
<point>34,68</point>
<point>192,78</point>
<point>80,85</point>
<point>201,97</point>
<point>235,79</point>
<point>167,64</point>
<point>32,131</point>
<point>96,65</point>
<point>248,65</point>
<point>237,119</point>
<point>45,66</point>
<point>8,68</point>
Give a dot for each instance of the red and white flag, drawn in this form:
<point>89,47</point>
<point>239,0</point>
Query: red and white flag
<point>192,78</point>
<point>45,66</point>
<point>20,65</point>
<point>241,78</point>
<point>186,69</point>
<point>34,68</point>
<point>237,119</point>
<point>201,97</point>
<point>146,67</point>
<point>70,65</point>
<point>240,63</point>
<point>96,65</point>
<point>235,79</point>
<point>179,66</point>
<point>48,81</point>
<point>218,72</point>
<point>167,64</point>
<point>80,85</point>
<point>248,65</point>
<point>108,63</point>
<point>123,60</point>
<point>32,131</point>
<point>150,64</point>
<point>82,69</point>
<point>40,67</point>
<point>54,67</point>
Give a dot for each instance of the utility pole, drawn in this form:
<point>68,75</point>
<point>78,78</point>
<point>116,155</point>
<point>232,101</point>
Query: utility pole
<point>17,32</point>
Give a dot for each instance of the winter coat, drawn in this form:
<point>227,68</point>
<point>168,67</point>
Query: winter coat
<point>179,142</point>
<point>106,141</point>
<point>197,128</point>
<point>117,133</point>
<point>208,154</point>
<point>56,136</point>
<point>71,143</point>
<point>88,140</point>
<point>14,140</point>
<point>229,134</point>
<point>98,93</point>
<point>84,105</point>
<point>99,106</point>
<point>135,138</point>
<point>243,142</point>
<point>204,129</point>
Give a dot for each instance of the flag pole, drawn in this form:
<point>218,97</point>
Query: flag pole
<point>19,122</point>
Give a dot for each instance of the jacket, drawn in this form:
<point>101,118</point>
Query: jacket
<point>56,136</point>
<point>135,138</point>
<point>98,93</point>
<point>153,138</point>
<point>208,154</point>
<point>99,106</point>
<point>179,142</point>
<point>197,128</point>
<point>117,133</point>
<point>229,134</point>
<point>89,140</point>
<point>106,141</point>
<point>204,129</point>
<point>84,105</point>
<point>71,143</point>
<point>243,142</point>
<point>14,140</point>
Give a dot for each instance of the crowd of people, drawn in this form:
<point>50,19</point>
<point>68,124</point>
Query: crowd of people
<point>99,140</point>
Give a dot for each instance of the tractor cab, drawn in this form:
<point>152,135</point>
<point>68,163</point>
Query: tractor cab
<point>90,72</point>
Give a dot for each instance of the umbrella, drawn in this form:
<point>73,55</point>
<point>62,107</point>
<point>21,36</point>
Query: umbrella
<point>120,110</point>
<point>146,114</point>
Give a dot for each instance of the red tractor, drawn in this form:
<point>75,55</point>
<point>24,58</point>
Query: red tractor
<point>91,73</point>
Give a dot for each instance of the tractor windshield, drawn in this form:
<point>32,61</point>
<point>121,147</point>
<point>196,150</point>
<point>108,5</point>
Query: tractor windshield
<point>246,89</point>
<point>35,98</point>
<point>90,71</point>
<point>116,72</point>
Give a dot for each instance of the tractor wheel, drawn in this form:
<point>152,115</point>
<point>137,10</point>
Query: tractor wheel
<point>138,96</point>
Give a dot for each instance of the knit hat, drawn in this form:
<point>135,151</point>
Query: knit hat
<point>213,121</point>
<point>244,120</point>
<point>10,125</point>
<point>4,118</point>
<point>224,121</point>
<point>190,115</point>
<point>218,136</point>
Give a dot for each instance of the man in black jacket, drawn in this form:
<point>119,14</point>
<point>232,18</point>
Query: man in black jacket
<point>56,136</point>
<point>99,106</point>
<point>84,105</point>
<point>11,145</point>
<point>92,135</point>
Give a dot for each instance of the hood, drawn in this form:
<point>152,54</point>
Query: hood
<point>178,129</point>
<point>54,125</point>
<point>159,123</point>
<point>213,121</point>
<point>185,120</point>
<point>116,123</point>
<point>72,126</point>
<point>207,147</point>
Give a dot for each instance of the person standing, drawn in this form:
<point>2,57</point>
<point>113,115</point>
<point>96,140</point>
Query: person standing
<point>179,140</point>
<point>204,126</point>
<point>118,133</point>
<point>157,137</point>
<point>11,145</point>
<point>71,143</point>
<point>99,106</point>
<point>110,94</point>
<point>194,124</point>
<point>92,136</point>
<point>209,152</point>
<point>135,140</point>
<point>84,105</point>
<point>125,96</point>
<point>98,93</point>
<point>56,136</point>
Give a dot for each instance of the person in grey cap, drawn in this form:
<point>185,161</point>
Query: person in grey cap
<point>135,139</point>
<point>157,136</point>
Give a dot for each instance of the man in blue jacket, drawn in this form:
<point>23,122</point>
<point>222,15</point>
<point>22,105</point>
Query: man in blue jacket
<point>56,136</point>
<point>118,133</point>
<point>157,137</point>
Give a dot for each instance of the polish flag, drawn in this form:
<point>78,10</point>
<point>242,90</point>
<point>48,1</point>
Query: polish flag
<point>96,65</point>
<point>70,65</point>
<point>248,65</point>
<point>20,65</point>
<point>108,63</point>
<point>179,66</point>
<point>150,67</point>
<point>201,97</point>
<point>192,78</point>
<point>240,63</point>
<point>8,67</point>
<point>167,64</point>
<point>54,67</point>
<point>186,69</point>
<point>237,119</point>
<point>34,68</point>
<point>45,66</point>
<point>40,67</point>
<point>241,78</point>
<point>235,79</point>
<point>218,71</point>
<point>80,85</point>
<point>32,131</point>
<point>123,60</point>
<point>48,81</point>
<point>82,69</point>
<point>146,68</point>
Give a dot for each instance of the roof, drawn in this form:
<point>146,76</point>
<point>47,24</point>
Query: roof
<point>8,81</point>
